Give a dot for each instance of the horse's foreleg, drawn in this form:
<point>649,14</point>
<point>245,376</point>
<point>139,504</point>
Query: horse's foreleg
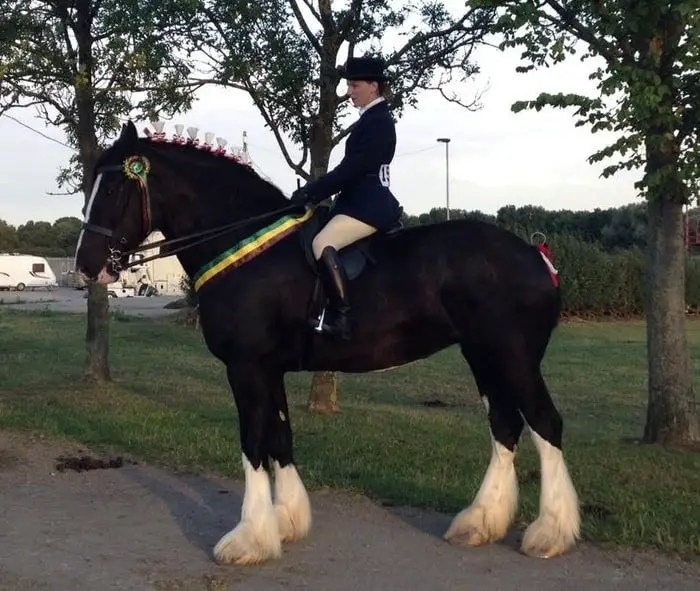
<point>488,517</point>
<point>292,504</point>
<point>256,538</point>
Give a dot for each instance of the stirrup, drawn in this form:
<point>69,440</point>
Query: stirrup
<point>320,327</point>
<point>320,319</point>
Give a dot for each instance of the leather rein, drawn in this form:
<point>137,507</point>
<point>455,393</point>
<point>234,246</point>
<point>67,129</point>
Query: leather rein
<point>137,168</point>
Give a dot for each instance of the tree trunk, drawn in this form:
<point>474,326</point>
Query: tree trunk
<point>671,410</point>
<point>97,333</point>
<point>323,396</point>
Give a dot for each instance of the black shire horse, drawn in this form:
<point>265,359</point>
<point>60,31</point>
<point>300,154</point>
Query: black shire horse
<point>421,289</point>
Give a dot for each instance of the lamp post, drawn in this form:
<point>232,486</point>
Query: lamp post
<point>446,141</point>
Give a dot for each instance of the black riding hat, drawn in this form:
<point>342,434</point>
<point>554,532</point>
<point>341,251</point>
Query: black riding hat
<point>370,69</point>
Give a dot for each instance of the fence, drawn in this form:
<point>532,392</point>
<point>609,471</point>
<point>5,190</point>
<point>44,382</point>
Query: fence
<point>60,267</point>
<point>166,273</point>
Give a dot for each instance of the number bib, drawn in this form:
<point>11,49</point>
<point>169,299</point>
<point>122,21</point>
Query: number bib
<point>384,175</point>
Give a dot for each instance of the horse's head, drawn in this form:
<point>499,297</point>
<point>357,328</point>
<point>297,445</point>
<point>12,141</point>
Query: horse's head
<point>119,214</point>
<point>140,185</point>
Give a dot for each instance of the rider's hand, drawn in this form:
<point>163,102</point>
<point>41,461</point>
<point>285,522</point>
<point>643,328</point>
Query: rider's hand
<point>299,197</point>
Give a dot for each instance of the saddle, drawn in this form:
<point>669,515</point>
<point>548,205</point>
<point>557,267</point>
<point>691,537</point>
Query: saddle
<point>353,258</point>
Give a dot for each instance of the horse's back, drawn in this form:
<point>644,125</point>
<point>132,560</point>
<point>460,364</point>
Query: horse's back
<point>469,247</point>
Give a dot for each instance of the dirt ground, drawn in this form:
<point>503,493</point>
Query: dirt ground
<point>138,527</point>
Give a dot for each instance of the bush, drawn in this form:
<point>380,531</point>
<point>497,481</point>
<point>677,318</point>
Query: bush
<point>595,282</point>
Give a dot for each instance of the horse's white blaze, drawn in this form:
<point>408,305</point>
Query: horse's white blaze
<point>558,526</point>
<point>256,538</point>
<point>88,209</point>
<point>292,503</point>
<point>488,517</point>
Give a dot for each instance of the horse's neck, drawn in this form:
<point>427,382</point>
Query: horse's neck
<point>186,215</point>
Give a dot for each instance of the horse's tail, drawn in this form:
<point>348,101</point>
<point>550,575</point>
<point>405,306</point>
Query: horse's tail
<point>546,314</point>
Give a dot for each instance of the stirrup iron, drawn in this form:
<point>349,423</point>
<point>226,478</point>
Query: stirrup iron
<point>321,318</point>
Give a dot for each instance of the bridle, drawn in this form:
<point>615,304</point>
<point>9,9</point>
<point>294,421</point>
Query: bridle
<point>137,168</point>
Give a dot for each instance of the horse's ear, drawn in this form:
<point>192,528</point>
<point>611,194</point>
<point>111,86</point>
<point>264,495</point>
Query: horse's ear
<point>129,135</point>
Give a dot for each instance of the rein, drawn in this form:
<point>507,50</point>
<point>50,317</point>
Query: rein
<point>204,236</point>
<point>137,168</point>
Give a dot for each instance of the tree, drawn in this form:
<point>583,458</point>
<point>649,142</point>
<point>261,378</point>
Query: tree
<point>8,237</point>
<point>627,228</point>
<point>81,63</point>
<point>284,54</point>
<point>37,235</point>
<point>648,86</point>
<point>66,232</point>
<point>41,238</point>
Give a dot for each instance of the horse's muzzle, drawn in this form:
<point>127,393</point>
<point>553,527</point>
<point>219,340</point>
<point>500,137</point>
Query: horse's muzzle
<point>104,277</point>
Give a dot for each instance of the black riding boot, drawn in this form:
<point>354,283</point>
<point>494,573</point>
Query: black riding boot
<point>335,285</point>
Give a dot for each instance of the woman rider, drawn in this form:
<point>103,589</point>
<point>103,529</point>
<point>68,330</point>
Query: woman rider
<point>365,204</point>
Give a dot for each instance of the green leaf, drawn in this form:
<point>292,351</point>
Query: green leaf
<point>647,87</point>
<point>90,65</point>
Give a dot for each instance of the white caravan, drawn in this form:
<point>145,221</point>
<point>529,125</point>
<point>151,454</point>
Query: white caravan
<point>25,271</point>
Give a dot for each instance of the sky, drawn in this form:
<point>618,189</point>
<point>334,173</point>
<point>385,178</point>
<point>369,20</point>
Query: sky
<point>496,157</point>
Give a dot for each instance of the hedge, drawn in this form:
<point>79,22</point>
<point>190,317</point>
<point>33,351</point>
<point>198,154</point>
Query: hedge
<point>595,282</point>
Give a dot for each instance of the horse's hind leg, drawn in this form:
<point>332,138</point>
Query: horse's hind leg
<point>558,526</point>
<point>257,537</point>
<point>292,504</point>
<point>488,517</point>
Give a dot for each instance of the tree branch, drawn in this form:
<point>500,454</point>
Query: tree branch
<point>568,21</point>
<point>313,11</point>
<point>272,124</point>
<point>66,22</point>
<point>347,24</point>
<point>75,191</point>
<point>474,105</point>
<point>423,37</point>
<point>344,133</point>
<point>324,7</point>
<point>41,97</point>
<point>305,26</point>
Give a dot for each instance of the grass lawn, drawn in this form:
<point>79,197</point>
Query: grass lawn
<point>170,404</point>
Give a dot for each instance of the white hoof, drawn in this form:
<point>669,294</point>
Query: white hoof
<point>489,516</point>
<point>257,537</point>
<point>294,522</point>
<point>476,526</point>
<point>548,537</point>
<point>246,545</point>
<point>292,505</point>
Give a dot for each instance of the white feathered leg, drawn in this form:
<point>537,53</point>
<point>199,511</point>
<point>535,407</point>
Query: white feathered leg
<point>492,511</point>
<point>557,528</point>
<point>257,536</point>
<point>292,503</point>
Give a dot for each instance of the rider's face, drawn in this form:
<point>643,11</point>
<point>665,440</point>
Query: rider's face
<point>361,92</point>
